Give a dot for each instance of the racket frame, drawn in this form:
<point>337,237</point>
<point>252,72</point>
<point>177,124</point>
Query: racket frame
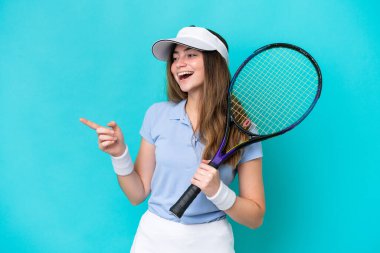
<point>192,191</point>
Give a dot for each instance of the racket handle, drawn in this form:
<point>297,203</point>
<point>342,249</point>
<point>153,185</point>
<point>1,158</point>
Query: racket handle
<point>185,200</point>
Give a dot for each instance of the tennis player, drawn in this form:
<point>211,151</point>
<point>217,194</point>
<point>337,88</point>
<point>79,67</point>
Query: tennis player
<point>179,137</point>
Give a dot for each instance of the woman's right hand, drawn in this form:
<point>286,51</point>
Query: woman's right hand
<point>110,140</point>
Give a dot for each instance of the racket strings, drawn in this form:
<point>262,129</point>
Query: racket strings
<point>243,116</point>
<point>273,90</point>
<point>270,118</point>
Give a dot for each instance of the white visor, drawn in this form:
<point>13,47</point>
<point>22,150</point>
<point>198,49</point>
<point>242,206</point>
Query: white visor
<point>195,37</point>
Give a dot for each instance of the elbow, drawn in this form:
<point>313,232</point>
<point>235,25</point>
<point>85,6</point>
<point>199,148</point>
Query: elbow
<point>257,220</point>
<point>256,223</point>
<point>136,201</point>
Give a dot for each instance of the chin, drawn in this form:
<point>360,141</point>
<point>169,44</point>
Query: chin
<point>189,87</point>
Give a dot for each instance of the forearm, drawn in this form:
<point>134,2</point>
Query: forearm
<point>128,177</point>
<point>249,207</point>
<point>246,212</point>
<point>133,187</point>
<point>241,209</point>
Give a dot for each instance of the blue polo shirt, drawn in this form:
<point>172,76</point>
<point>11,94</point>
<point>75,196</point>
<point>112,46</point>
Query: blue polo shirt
<point>178,155</point>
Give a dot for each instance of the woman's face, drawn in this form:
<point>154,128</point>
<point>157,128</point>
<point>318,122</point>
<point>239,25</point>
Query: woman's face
<point>188,68</point>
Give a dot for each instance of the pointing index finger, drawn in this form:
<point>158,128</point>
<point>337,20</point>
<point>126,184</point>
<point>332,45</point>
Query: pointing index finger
<point>88,123</point>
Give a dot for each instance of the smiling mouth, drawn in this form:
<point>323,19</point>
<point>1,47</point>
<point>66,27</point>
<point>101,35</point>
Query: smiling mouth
<point>184,75</point>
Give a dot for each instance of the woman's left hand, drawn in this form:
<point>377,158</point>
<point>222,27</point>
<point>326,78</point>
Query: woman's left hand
<point>207,179</point>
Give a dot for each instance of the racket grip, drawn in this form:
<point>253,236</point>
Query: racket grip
<point>185,200</point>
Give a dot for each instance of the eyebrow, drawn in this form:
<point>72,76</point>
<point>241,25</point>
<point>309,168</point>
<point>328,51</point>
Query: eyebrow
<point>187,49</point>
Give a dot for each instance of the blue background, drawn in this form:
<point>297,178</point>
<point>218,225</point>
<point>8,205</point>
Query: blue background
<point>62,60</point>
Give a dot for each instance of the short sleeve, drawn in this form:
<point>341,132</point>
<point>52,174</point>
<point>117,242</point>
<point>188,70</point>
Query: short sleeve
<point>251,152</point>
<point>146,128</point>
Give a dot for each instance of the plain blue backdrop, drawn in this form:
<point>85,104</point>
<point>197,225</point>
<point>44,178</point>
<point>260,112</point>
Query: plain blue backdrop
<point>62,60</point>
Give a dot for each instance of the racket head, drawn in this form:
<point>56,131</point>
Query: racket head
<point>273,91</point>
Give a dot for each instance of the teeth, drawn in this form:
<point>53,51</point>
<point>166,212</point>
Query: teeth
<point>184,73</point>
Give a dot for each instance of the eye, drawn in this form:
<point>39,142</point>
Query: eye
<point>174,58</point>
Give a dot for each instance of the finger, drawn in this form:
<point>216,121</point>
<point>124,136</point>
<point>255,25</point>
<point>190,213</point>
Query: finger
<point>107,143</point>
<point>208,174</point>
<point>103,130</point>
<point>113,125</point>
<point>104,137</point>
<point>200,171</point>
<point>88,123</point>
<point>195,182</point>
<point>199,176</point>
<point>207,167</point>
<point>202,176</point>
<point>202,184</point>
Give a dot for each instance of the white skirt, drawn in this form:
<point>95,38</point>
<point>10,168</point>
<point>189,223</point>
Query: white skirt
<point>156,235</point>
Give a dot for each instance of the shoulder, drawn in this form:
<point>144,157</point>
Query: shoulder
<point>157,118</point>
<point>162,110</point>
<point>164,105</point>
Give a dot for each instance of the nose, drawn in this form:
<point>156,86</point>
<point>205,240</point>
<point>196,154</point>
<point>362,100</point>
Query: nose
<point>180,62</point>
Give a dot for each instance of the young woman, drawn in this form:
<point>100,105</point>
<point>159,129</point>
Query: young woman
<point>179,137</point>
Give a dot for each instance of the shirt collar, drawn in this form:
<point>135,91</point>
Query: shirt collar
<point>179,113</point>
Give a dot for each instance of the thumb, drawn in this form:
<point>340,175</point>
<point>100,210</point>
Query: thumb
<point>114,126</point>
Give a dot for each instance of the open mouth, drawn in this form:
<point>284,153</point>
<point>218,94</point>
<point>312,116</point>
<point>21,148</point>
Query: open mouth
<point>184,75</point>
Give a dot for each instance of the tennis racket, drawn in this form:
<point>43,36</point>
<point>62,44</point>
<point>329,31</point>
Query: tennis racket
<point>273,91</point>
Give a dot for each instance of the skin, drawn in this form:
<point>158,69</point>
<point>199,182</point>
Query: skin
<point>249,207</point>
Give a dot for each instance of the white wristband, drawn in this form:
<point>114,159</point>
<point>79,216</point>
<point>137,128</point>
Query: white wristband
<point>224,198</point>
<point>122,165</point>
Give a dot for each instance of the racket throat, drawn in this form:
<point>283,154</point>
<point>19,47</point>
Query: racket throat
<point>220,156</point>
<point>217,160</point>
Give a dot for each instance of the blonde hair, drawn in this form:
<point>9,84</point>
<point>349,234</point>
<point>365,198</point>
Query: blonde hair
<point>213,105</point>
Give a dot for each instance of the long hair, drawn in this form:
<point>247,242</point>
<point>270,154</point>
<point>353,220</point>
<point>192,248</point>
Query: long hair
<point>213,103</point>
